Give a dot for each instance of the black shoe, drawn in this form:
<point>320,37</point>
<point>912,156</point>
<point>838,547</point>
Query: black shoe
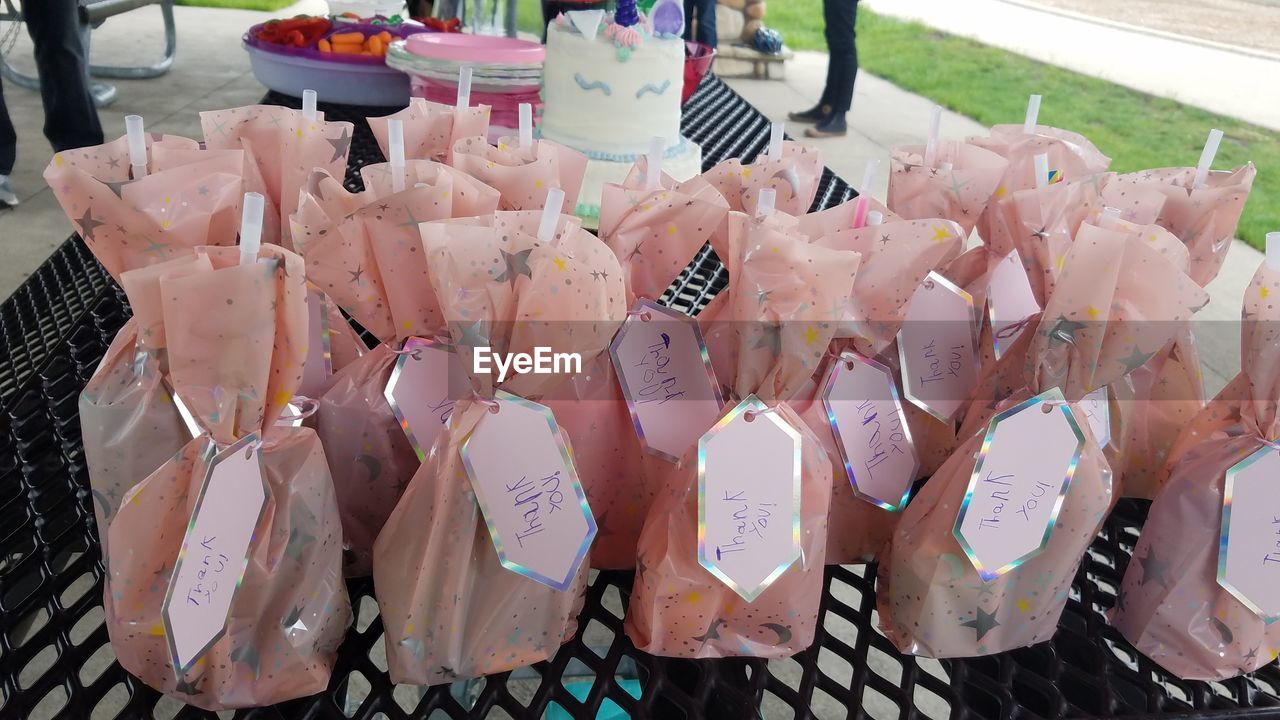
<point>817,113</point>
<point>831,126</point>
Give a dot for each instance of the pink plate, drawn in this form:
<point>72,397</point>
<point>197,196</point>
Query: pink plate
<point>479,49</point>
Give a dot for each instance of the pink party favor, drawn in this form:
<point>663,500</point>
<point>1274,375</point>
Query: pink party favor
<point>523,175</point>
<point>654,235</point>
<point>431,129</point>
<point>794,177</point>
<point>1199,594</point>
<point>957,188</point>
<point>285,147</point>
<point>225,566</point>
<point>731,554</point>
<point>464,588</point>
<point>983,557</point>
<point>363,250</point>
<point>188,197</point>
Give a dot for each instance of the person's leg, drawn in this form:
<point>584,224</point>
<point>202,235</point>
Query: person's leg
<point>706,22</point>
<point>8,153</point>
<point>819,112</point>
<point>70,118</point>
<point>843,67</point>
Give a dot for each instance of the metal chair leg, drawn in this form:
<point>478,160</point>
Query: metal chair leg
<point>11,74</point>
<point>147,71</point>
<point>103,94</point>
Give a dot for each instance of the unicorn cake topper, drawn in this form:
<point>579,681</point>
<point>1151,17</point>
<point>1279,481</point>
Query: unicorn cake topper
<point>626,14</point>
<point>667,18</point>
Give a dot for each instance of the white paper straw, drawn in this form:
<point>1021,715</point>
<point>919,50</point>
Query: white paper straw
<point>775,140</point>
<point>395,141</point>
<point>1033,115</point>
<point>309,104</point>
<point>766,201</point>
<point>869,176</point>
<point>137,145</point>
<point>935,128</point>
<point>1206,158</point>
<point>1273,250</point>
<point>550,214</point>
<point>250,228</point>
<point>1042,170</point>
<point>875,217</point>
<point>526,126</point>
<point>464,86</point>
<point>945,167</point>
<point>653,165</point>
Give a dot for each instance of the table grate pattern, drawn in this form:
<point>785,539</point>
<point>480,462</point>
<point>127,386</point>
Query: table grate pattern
<point>56,660</point>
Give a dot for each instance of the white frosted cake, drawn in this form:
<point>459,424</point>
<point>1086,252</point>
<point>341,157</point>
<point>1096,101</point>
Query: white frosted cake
<point>607,91</point>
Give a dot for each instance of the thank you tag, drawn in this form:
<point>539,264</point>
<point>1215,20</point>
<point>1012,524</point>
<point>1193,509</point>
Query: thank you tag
<point>1010,301</point>
<point>1018,484</point>
<point>529,491</point>
<point>318,365</point>
<point>1249,549</point>
<point>666,376</point>
<point>749,498</point>
<point>938,348</point>
<point>1098,412</point>
<point>215,551</point>
<point>422,392</point>
<point>866,418</point>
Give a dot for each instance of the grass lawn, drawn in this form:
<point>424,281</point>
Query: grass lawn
<point>267,5</point>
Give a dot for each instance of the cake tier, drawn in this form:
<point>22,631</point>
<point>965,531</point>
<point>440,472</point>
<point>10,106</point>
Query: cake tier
<point>682,162</point>
<point>611,99</point>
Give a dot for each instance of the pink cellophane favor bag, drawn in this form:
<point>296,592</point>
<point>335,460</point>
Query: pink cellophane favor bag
<point>1171,604</point>
<point>959,193</point>
<point>364,251</point>
<point>523,176</point>
<point>189,197</point>
<point>431,128</point>
<point>1204,218</point>
<point>1115,302</point>
<point>794,176</point>
<point>654,234</point>
<point>128,418</point>
<point>896,257</point>
<point>235,363</point>
<point>450,608</point>
<point>285,147</point>
<point>1072,158</point>
<point>1041,224</point>
<point>784,298</point>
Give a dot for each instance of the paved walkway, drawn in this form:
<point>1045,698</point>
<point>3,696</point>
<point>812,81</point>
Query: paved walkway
<point>212,72</point>
<point>1226,82</point>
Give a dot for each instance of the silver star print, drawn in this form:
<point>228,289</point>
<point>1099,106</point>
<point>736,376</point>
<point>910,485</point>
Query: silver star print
<point>982,622</point>
<point>517,264</point>
<point>341,145</point>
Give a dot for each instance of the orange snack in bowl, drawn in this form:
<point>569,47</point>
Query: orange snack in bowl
<point>376,47</point>
<point>347,38</point>
<point>324,46</point>
<point>348,49</point>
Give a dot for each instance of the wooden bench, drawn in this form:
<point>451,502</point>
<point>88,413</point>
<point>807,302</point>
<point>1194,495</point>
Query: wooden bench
<point>761,63</point>
<point>92,14</point>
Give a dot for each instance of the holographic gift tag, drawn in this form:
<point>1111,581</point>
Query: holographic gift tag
<point>1249,548</point>
<point>666,376</point>
<point>215,551</point>
<point>866,417</point>
<point>1010,301</point>
<point>1018,484</point>
<point>528,490</point>
<point>317,367</point>
<point>1097,410</point>
<point>749,498</point>
<point>938,347</point>
<point>421,390</point>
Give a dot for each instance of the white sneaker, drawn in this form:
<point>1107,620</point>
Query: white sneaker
<point>7,195</point>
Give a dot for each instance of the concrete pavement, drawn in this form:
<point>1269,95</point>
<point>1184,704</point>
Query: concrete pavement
<point>1230,83</point>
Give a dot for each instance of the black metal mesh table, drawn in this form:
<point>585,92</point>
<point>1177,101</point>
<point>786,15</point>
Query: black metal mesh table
<point>56,661</point>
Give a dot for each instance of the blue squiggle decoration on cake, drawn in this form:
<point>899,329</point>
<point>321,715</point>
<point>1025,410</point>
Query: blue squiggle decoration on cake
<point>631,157</point>
<point>589,86</point>
<point>655,89</point>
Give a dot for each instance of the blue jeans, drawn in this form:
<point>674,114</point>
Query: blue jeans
<point>842,61</point>
<point>705,12</point>
<point>70,118</point>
